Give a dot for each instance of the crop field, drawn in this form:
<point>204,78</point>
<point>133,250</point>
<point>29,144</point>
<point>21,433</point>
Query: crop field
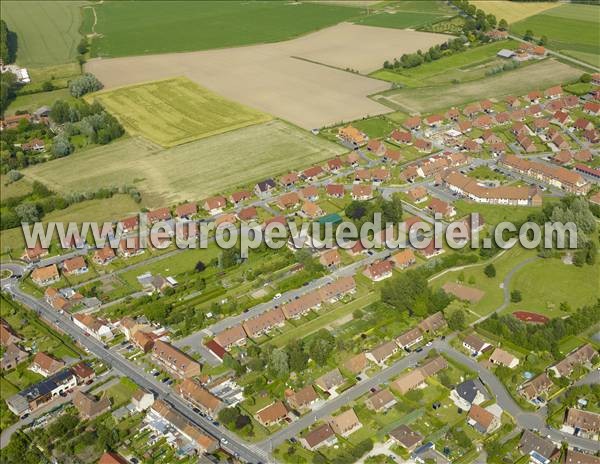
<point>513,11</point>
<point>406,14</point>
<point>142,28</point>
<point>571,28</point>
<point>286,79</point>
<point>465,66</point>
<point>517,82</point>
<point>47,31</point>
<point>176,111</point>
<point>188,172</point>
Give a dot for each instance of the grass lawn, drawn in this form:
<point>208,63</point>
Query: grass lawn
<point>47,32</point>
<point>13,189</point>
<point>494,214</point>
<point>539,75</point>
<point>33,101</point>
<point>132,28</point>
<point>569,28</point>
<point>513,11</point>
<point>175,111</point>
<point>192,171</point>
<point>485,173</point>
<point>545,299</point>
<point>107,209</point>
<point>121,393</point>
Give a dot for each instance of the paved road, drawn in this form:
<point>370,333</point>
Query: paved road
<point>247,452</point>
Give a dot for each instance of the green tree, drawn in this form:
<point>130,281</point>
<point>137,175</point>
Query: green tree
<point>515,296</point>
<point>490,271</point>
<point>278,363</point>
<point>457,320</point>
<point>503,25</point>
<point>297,357</point>
<point>321,346</point>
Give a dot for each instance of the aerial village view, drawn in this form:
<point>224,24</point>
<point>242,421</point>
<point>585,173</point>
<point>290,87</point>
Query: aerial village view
<point>293,231</point>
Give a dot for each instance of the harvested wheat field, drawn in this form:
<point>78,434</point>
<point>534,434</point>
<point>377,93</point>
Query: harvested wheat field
<point>175,111</point>
<point>191,171</point>
<point>283,79</point>
<point>513,11</point>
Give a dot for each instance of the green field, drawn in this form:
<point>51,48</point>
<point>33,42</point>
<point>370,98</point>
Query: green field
<point>140,28</point>
<point>47,31</point>
<point>406,14</point>
<point>33,101</point>
<point>463,67</point>
<point>175,111</point>
<point>188,172</point>
<point>570,28</point>
<point>517,82</point>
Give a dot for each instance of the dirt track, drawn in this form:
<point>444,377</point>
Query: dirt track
<point>283,79</point>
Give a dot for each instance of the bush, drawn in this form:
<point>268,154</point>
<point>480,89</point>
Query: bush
<point>83,84</point>
<point>61,146</point>
<point>14,175</point>
<point>515,296</point>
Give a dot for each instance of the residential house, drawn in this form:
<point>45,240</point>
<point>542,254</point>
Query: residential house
<point>13,356</point>
<point>272,414</point>
<point>199,397</point>
<point>362,192</point>
<point>475,344</point>
<point>335,290</point>
<point>46,365</point>
<point>310,193</point>
<point>264,188</point>
<point>418,194</point>
<point>581,356</point>
<point>482,420</point>
<point>583,423</point>
<point>240,196</point>
<point>45,275</point>
<point>129,224</point>
<point>554,92</point>
<point>288,180</point>
<point>423,146</point>
<point>430,250</point>
<point>409,338</point>
<point>104,255</point>
<point>83,373</point>
<point>334,165</point>
<point>7,335</point>
<point>382,352</point>
<point>335,190</point>
<point>233,336</point>
<point>592,108</point>
<point>400,136</point>
<point>143,340</point>
<point>352,136</point>
<point>97,328</point>
<point>356,364</point>
<point>303,398</point>
<point>130,247</point>
<point>320,436</point>
<point>406,437</point>
<point>34,253</point>
<point>259,325</point>
<point>579,457</point>
<point>215,205</point>
<point>90,407</point>
<point>75,265</point>
<point>437,206</point>
<point>403,259</point>
<point>330,258</point>
<point>248,214</point>
<point>433,323</point>
<point>379,270</point>
<point>381,400</point>
<point>288,200</point>
<point>311,210</point>
<point>313,173</point>
<point>159,215</point>
<point>299,307</point>
<point>409,381</point>
<point>468,393</point>
<point>346,423</point>
<point>412,124</point>
<point>174,360</point>
<point>536,387</point>
<point>377,147</point>
<point>433,366</point>
<point>142,400</point>
<point>112,458</point>
<point>186,210</point>
<point>434,120</point>
<point>330,381</point>
<point>503,358</point>
<point>531,444</point>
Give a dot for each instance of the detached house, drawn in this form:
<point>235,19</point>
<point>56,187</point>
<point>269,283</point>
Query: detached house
<point>482,420</point>
<point>356,364</point>
<point>362,192</point>
<point>272,414</point>
<point>45,275</point>
<point>303,398</point>
<point>186,210</point>
<point>379,271</point>
<point>97,328</point>
<point>380,354</point>
<point>264,188</point>
<point>377,147</point>
<point>406,437</point>
<point>381,400</point>
<point>536,387</point>
<point>88,406</point>
<point>321,436</point>
<point>410,338</point>
<point>76,265</point>
<point>45,364</point>
<point>335,190</point>
<point>345,423</point>
<point>403,259</point>
<point>468,393</point>
<point>330,381</point>
<point>214,205</point>
<point>503,358</point>
<point>104,256</point>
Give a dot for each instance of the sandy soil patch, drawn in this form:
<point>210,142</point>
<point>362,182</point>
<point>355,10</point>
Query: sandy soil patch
<point>269,78</point>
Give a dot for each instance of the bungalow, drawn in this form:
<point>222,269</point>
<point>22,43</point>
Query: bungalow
<point>46,365</point>
<point>554,92</point>
<point>433,323</point>
<point>498,149</point>
<point>526,143</point>
<point>490,137</point>
<point>233,336</point>
<point>468,393</point>
<point>503,358</point>
<point>88,406</point>
<point>381,353</point>
<point>534,96</point>
<point>361,175</point>
<point>159,215</point>
<point>592,108</point>
<point>471,110</point>
<point>502,118</point>
<point>424,146</point>
<point>431,250</point>
<point>453,114</point>
<point>215,205</point>
<point>376,147</point>
<point>303,398</point>
<point>288,180</point>
<point>264,188</point>
<point>186,210</point>
<point>45,275</point>
<point>104,256</point>
<point>379,175</point>
<point>465,126</point>
<point>403,259</point>
<point>288,200</point>
<point>345,423</point>
<point>262,324</point>
<point>475,345</point>
<point>334,165</point>
<point>409,338</point>
<point>563,157</point>
<point>248,214</point>
<point>321,436</point>
<point>330,258</point>
<point>536,387</point>
<point>483,122</point>
<point>406,437</point>
<point>409,381</point>
<point>541,125</point>
<point>311,210</point>
<point>517,115</point>
<point>482,420</point>
<point>418,194</point>
<point>76,265</point>
<point>352,159</point>
<point>399,136</point>
<point>356,364</point>
<point>129,247</point>
<point>352,136</point>
<point>471,146</point>
<point>129,224</point>
<point>381,400</point>
<point>313,173</point>
<point>535,110</point>
<point>513,101</point>
<point>583,124</point>
<point>35,144</point>
<point>174,360</point>
<point>199,397</point>
<point>335,190</point>
<point>437,206</point>
<point>272,414</point>
<point>410,174</point>
<point>379,270</point>
<point>434,120</point>
<point>310,193</point>
<point>330,381</point>
<point>225,219</point>
<point>97,328</point>
<point>34,253</point>
<point>487,106</point>
<point>362,192</point>
<point>412,124</point>
<point>240,196</point>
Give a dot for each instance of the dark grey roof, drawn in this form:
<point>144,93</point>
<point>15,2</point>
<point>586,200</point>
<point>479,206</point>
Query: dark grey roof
<point>46,386</point>
<point>266,185</point>
<point>532,442</point>
<point>469,388</point>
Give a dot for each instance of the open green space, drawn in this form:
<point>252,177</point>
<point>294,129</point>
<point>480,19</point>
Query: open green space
<point>175,111</point>
<point>520,81</point>
<point>494,214</point>
<point>406,14</point>
<point>469,65</point>
<point>188,172</point>
<point>569,28</point>
<point>140,28</point>
<point>47,31</point>
<point>33,101</point>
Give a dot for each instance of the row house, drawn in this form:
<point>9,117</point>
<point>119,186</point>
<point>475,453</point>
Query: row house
<point>174,360</point>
